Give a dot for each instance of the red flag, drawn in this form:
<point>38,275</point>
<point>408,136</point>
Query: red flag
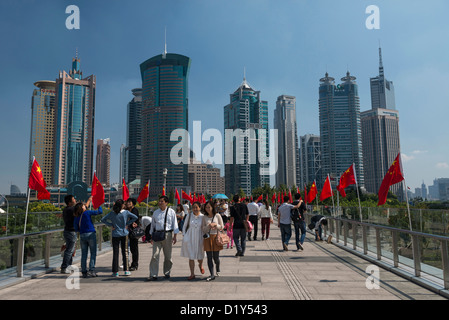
<point>178,197</point>
<point>290,196</point>
<point>327,190</point>
<point>273,198</point>
<point>260,197</point>
<point>305,194</point>
<point>125,191</point>
<point>393,176</point>
<point>346,179</point>
<point>97,193</point>
<point>37,182</point>
<point>185,196</point>
<point>144,193</point>
<point>312,192</point>
<point>163,191</point>
<point>279,198</point>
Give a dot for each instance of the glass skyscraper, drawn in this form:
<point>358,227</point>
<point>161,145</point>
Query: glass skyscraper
<point>288,149</point>
<point>134,137</point>
<point>340,128</point>
<point>74,126</point>
<point>246,116</point>
<point>42,128</point>
<point>380,133</point>
<point>164,109</point>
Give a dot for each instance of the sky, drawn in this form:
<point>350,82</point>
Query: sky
<point>285,46</point>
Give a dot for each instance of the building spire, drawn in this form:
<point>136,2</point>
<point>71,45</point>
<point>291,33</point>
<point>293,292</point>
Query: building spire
<point>165,41</point>
<point>381,66</point>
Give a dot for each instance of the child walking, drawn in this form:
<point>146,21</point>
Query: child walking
<point>229,232</point>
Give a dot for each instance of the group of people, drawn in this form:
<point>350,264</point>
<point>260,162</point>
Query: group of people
<point>199,225</point>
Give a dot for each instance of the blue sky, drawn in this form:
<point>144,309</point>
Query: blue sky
<point>286,47</point>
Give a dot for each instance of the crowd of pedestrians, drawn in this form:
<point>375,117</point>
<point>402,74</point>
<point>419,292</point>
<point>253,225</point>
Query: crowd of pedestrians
<point>199,224</point>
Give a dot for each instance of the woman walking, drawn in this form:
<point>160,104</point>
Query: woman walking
<point>192,241</point>
<point>266,219</point>
<point>212,223</point>
<point>119,219</point>
<point>88,237</point>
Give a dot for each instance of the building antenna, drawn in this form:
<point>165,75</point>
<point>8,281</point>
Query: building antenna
<point>165,40</point>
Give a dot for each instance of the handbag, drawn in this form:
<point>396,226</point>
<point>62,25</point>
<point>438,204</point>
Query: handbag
<point>137,232</point>
<point>160,235</point>
<point>222,238</point>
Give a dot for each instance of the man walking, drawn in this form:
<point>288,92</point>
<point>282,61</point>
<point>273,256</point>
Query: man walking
<point>253,210</point>
<point>285,221</point>
<point>133,242</point>
<point>239,214</point>
<point>298,221</point>
<point>164,219</point>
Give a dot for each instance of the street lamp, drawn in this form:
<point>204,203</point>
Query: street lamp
<point>164,173</point>
<point>7,212</point>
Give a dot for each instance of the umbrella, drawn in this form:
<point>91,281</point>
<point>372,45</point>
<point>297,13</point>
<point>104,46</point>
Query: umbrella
<point>219,196</point>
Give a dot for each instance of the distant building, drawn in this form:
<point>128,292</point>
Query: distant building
<point>74,126</point>
<point>443,189</point>
<point>246,116</point>
<point>134,136</point>
<point>42,142</point>
<point>164,109</point>
<point>103,161</point>
<point>311,160</point>
<point>288,148</point>
<point>380,133</point>
<point>205,179</point>
<point>340,128</point>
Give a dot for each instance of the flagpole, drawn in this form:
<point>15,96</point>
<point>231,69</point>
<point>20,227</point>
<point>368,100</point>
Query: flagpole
<point>408,207</point>
<point>25,224</point>
<point>357,188</point>
<point>333,205</point>
<point>338,198</point>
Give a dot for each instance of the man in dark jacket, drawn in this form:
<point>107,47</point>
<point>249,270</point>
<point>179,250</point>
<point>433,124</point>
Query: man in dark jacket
<point>239,216</point>
<point>133,242</point>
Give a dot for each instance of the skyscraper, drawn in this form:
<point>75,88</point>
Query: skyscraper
<point>340,129</point>
<point>288,149</point>
<point>42,128</point>
<point>74,126</point>
<point>380,133</point>
<point>164,109</point>
<point>134,136</point>
<point>103,161</point>
<point>311,160</point>
<point>246,135</point>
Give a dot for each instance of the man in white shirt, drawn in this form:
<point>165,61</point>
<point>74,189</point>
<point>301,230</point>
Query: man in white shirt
<point>253,210</point>
<point>171,230</point>
<point>285,221</point>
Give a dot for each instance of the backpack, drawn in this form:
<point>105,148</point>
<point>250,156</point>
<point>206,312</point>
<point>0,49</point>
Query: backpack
<point>295,214</point>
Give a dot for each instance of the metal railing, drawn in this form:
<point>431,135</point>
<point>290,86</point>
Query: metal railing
<point>422,253</point>
<point>36,247</point>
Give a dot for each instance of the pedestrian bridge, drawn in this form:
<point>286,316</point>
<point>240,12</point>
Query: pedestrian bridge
<point>363,262</point>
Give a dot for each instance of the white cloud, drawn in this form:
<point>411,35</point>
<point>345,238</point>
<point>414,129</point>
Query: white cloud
<point>442,165</point>
<point>419,151</point>
<point>406,158</point>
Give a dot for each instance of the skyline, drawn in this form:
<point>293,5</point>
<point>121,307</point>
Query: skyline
<point>285,48</point>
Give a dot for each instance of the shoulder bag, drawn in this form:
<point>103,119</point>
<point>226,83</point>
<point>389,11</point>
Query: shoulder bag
<point>159,235</point>
<point>222,238</point>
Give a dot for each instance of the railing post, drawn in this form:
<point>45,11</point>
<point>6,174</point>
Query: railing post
<point>100,237</point>
<point>337,230</point>
<point>365,239</point>
<point>47,250</point>
<point>416,255</point>
<point>378,244</point>
<point>395,248</point>
<point>345,232</point>
<point>445,258</point>
<point>20,257</point>
<point>354,236</point>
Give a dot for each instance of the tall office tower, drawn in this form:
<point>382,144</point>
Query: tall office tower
<point>74,126</point>
<point>246,140</point>
<point>288,148</point>
<point>42,128</point>
<point>423,190</point>
<point>103,161</point>
<point>123,165</point>
<point>164,109</point>
<point>311,160</point>
<point>340,129</point>
<point>380,133</point>
<point>134,136</point>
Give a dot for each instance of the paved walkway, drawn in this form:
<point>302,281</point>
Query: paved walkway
<point>321,272</point>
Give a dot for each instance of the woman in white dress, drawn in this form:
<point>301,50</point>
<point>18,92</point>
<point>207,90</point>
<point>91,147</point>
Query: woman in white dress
<point>192,242</point>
